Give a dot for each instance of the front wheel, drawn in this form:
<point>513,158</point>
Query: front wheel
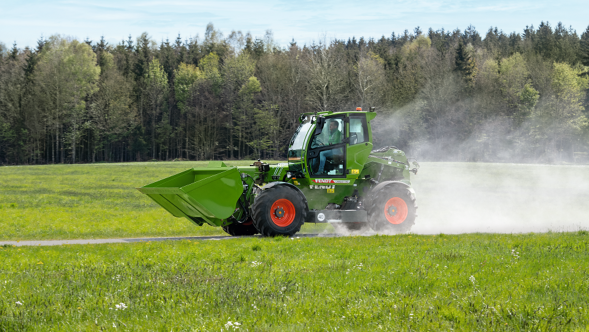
<point>392,210</point>
<point>279,210</point>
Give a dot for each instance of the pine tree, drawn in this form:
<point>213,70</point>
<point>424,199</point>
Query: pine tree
<point>143,55</point>
<point>491,40</point>
<point>545,42</point>
<point>584,57</point>
<point>465,63</point>
<point>14,52</point>
<point>100,49</point>
<point>471,36</point>
<point>89,43</point>
<point>585,47</point>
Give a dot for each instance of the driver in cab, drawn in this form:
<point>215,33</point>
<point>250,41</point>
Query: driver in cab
<point>335,137</point>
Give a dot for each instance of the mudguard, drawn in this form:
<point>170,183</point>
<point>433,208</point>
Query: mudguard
<point>386,183</point>
<point>272,184</point>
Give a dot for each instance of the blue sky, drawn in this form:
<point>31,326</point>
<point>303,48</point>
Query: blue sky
<point>25,21</point>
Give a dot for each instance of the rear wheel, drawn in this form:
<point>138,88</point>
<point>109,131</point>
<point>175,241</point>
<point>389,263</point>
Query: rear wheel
<point>279,210</point>
<point>237,229</point>
<point>392,209</point>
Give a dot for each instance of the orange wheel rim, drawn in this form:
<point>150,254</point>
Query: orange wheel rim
<point>282,212</point>
<point>395,210</point>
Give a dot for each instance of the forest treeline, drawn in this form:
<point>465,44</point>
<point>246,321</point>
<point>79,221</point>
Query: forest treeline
<point>440,95</point>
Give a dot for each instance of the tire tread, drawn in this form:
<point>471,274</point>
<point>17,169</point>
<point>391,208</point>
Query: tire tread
<point>236,229</point>
<point>259,209</point>
<point>374,213</point>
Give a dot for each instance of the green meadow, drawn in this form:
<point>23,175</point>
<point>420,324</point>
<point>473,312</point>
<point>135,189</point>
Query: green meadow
<point>501,282</point>
<point>470,282</point>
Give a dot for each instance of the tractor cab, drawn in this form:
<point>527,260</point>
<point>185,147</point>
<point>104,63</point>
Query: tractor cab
<point>331,145</point>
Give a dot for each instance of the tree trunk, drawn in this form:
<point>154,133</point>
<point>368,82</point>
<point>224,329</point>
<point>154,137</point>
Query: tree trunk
<point>153,135</point>
<point>74,145</point>
<point>62,150</point>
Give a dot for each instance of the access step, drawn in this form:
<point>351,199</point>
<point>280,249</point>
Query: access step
<point>337,216</point>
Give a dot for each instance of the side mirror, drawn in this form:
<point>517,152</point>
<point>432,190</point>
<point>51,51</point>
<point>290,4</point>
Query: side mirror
<point>320,122</point>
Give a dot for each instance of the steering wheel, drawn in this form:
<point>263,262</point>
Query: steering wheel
<point>317,143</point>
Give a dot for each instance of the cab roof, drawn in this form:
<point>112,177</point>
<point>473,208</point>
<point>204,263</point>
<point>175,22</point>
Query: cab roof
<point>369,114</point>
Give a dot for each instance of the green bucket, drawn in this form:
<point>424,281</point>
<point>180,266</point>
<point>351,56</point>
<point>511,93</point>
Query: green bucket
<point>207,194</point>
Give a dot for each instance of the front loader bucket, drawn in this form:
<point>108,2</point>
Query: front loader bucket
<point>207,194</point>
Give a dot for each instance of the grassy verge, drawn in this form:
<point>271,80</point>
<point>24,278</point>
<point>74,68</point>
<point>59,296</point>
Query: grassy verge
<point>530,282</point>
<point>92,201</point>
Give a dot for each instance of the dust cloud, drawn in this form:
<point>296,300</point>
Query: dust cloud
<point>461,197</point>
<point>500,198</point>
<point>499,175</point>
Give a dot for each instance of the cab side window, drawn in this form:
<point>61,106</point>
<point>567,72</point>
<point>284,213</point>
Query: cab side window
<point>358,130</point>
<point>333,133</point>
<point>326,155</point>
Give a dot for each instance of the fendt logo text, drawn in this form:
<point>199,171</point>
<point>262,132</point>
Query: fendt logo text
<point>330,181</point>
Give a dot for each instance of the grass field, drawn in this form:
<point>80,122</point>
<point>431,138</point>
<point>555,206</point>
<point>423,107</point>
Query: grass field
<point>100,200</point>
<point>498,282</point>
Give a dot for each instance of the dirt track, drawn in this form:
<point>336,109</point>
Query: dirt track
<point>131,240</point>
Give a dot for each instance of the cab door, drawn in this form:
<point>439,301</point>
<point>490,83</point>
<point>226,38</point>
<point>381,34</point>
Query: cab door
<point>326,151</point>
<point>359,144</point>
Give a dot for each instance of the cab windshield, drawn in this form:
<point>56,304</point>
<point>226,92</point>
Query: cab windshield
<point>298,139</point>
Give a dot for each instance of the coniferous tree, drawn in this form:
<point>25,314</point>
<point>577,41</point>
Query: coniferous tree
<point>584,47</point>
<point>13,52</point>
<point>465,63</point>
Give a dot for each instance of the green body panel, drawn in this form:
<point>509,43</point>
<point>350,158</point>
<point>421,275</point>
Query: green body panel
<point>396,166</point>
<point>219,195</point>
<point>318,195</point>
<point>358,154</point>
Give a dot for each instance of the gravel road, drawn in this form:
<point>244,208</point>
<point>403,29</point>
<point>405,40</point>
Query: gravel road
<point>132,240</point>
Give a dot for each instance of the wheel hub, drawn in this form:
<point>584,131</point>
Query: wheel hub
<point>392,210</point>
<point>279,212</point>
<point>395,210</point>
<point>282,212</point>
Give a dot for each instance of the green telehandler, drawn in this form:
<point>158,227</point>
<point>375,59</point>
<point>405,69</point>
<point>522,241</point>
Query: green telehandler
<point>332,176</point>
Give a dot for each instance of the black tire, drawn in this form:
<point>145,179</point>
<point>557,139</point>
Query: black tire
<point>383,214</point>
<point>262,214</point>
<point>237,229</point>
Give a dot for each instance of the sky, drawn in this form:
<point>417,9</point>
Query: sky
<point>25,21</point>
